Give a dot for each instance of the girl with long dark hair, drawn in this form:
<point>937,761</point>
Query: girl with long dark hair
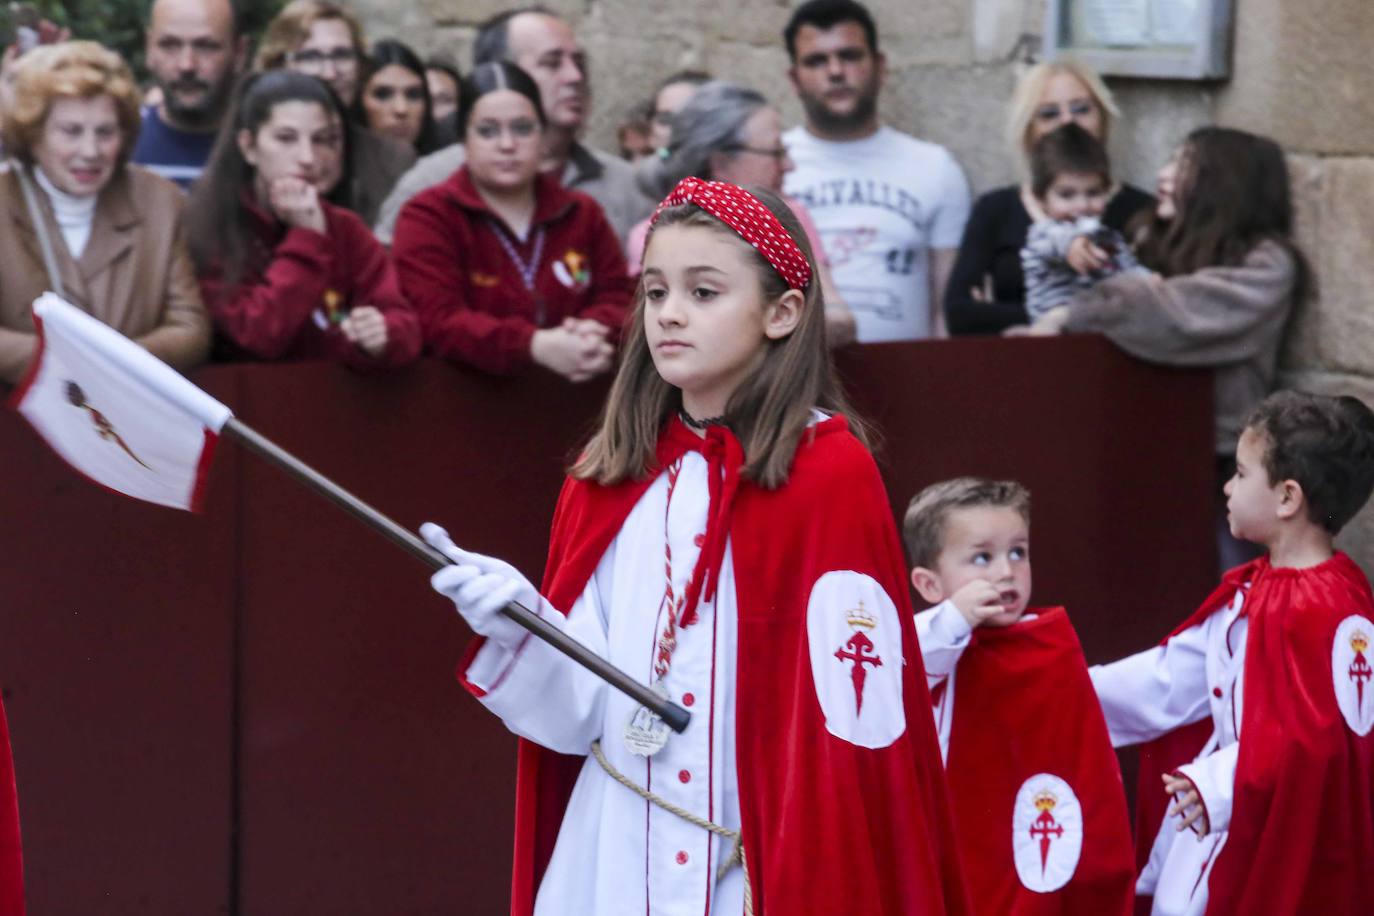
<point>284,272</point>
<point>1228,275</point>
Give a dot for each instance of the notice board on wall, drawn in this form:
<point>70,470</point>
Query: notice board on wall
<point>1160,39</point>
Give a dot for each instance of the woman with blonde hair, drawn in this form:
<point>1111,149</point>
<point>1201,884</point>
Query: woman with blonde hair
<point>105,235</point>
<point>987,289</point>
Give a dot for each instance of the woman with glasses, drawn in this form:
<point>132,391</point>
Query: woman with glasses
<point>285,273</point>
<point>394,100</point>
<point>324,40</point>
<point>505,266</point>
<point>728,132</point>
<point>987,289</point>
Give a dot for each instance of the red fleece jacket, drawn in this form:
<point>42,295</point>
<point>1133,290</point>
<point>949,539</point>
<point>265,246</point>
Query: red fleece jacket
<point>298,285</point>
<point>468,289</point>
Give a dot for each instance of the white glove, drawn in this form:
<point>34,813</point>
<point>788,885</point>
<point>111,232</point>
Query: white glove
<point>480,586</point>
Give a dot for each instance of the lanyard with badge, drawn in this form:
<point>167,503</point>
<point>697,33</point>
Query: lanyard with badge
<point>647,733</point>
<point>528,270</point>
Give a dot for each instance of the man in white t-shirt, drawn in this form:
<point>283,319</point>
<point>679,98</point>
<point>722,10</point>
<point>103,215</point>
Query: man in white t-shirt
<point>890,208</point>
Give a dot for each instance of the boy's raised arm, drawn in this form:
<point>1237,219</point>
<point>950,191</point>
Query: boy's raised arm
<point>1151,693</point>
<point>944,635</point>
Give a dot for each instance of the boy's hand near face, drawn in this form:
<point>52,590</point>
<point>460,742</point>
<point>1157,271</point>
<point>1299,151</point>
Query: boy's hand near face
<point>977,601</point>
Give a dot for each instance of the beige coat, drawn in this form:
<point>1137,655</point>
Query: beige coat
<point>135,274</point>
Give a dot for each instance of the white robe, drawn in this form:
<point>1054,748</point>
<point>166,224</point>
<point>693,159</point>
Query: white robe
<point>617,853</point>
<point>1199,672</point>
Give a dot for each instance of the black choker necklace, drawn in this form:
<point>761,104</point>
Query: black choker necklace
<point>700,424</point>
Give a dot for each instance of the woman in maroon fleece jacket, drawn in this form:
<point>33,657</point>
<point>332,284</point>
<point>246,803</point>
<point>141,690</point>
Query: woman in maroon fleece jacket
<point>504,265</point>
<point>284,273</point>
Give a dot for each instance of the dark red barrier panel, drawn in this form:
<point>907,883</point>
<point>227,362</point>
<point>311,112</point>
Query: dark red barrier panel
<point>367,781</point>
<point>115,655</point>
<point>1116,452</point>
<point>371,782</point>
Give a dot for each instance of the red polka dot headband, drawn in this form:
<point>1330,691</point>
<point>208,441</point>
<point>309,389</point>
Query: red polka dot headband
<point>746,214</point>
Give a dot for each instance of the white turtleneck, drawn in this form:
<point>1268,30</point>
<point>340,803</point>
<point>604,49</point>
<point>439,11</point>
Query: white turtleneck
<point>74,214</point>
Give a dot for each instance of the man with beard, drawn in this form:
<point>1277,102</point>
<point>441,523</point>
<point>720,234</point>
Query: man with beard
<point>194,51</point>
<point>891,208</point>
<point>542,44</point>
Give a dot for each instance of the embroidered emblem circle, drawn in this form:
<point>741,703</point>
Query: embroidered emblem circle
<point>1352,674</point>
<point>1046,833</point>
<point>855,643</point>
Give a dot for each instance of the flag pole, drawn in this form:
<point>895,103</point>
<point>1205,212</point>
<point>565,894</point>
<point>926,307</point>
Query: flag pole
<point>672,714</point>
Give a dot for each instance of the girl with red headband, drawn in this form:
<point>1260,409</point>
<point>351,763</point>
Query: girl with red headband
<point>726,538</point>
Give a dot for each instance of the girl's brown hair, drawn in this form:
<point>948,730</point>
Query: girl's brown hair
<point>768,412</point>
<point>1232,192</point>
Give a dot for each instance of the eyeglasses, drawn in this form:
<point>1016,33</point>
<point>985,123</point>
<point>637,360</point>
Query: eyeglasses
<point>777,152</point>
<point>315,60</point>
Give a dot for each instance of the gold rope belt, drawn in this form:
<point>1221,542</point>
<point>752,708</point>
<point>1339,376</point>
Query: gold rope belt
<point>736,843</point>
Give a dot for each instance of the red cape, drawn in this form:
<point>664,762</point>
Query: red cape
<point>828,827</point>
<point>11,858</point>
<point>1024,705</point>
<point>1302,823</point>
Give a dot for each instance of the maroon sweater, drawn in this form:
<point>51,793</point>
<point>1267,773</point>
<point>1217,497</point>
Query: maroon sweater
<point>298,284</point>
<point>470,292</point>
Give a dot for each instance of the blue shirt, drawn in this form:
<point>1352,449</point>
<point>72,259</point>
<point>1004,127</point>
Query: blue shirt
<point>177,155</point>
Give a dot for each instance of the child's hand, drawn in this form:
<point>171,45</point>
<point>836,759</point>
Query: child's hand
<point>1051,323</point>
<point>978,601</point>
<point>1189,798</point>
<point>1085,257</point>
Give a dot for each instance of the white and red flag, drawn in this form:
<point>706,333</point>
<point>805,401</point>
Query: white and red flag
<point>131,423</point>
<point>115,412</point>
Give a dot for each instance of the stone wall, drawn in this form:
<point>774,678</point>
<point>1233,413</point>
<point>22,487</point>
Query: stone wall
<point>1301,73</point>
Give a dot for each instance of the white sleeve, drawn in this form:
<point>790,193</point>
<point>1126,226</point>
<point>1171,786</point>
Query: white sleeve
<point>1156,691</point>
<point>539,692</point>
<point>1215,778</point>
<point>952,208</point>
<point>944,635</point>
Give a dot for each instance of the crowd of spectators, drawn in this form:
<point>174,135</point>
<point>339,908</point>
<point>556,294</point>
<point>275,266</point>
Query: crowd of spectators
<point>350,200</point>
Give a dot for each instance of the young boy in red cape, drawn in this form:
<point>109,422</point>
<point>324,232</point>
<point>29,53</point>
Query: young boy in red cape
<point>1039,807</point>
<point>1275,813</point>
